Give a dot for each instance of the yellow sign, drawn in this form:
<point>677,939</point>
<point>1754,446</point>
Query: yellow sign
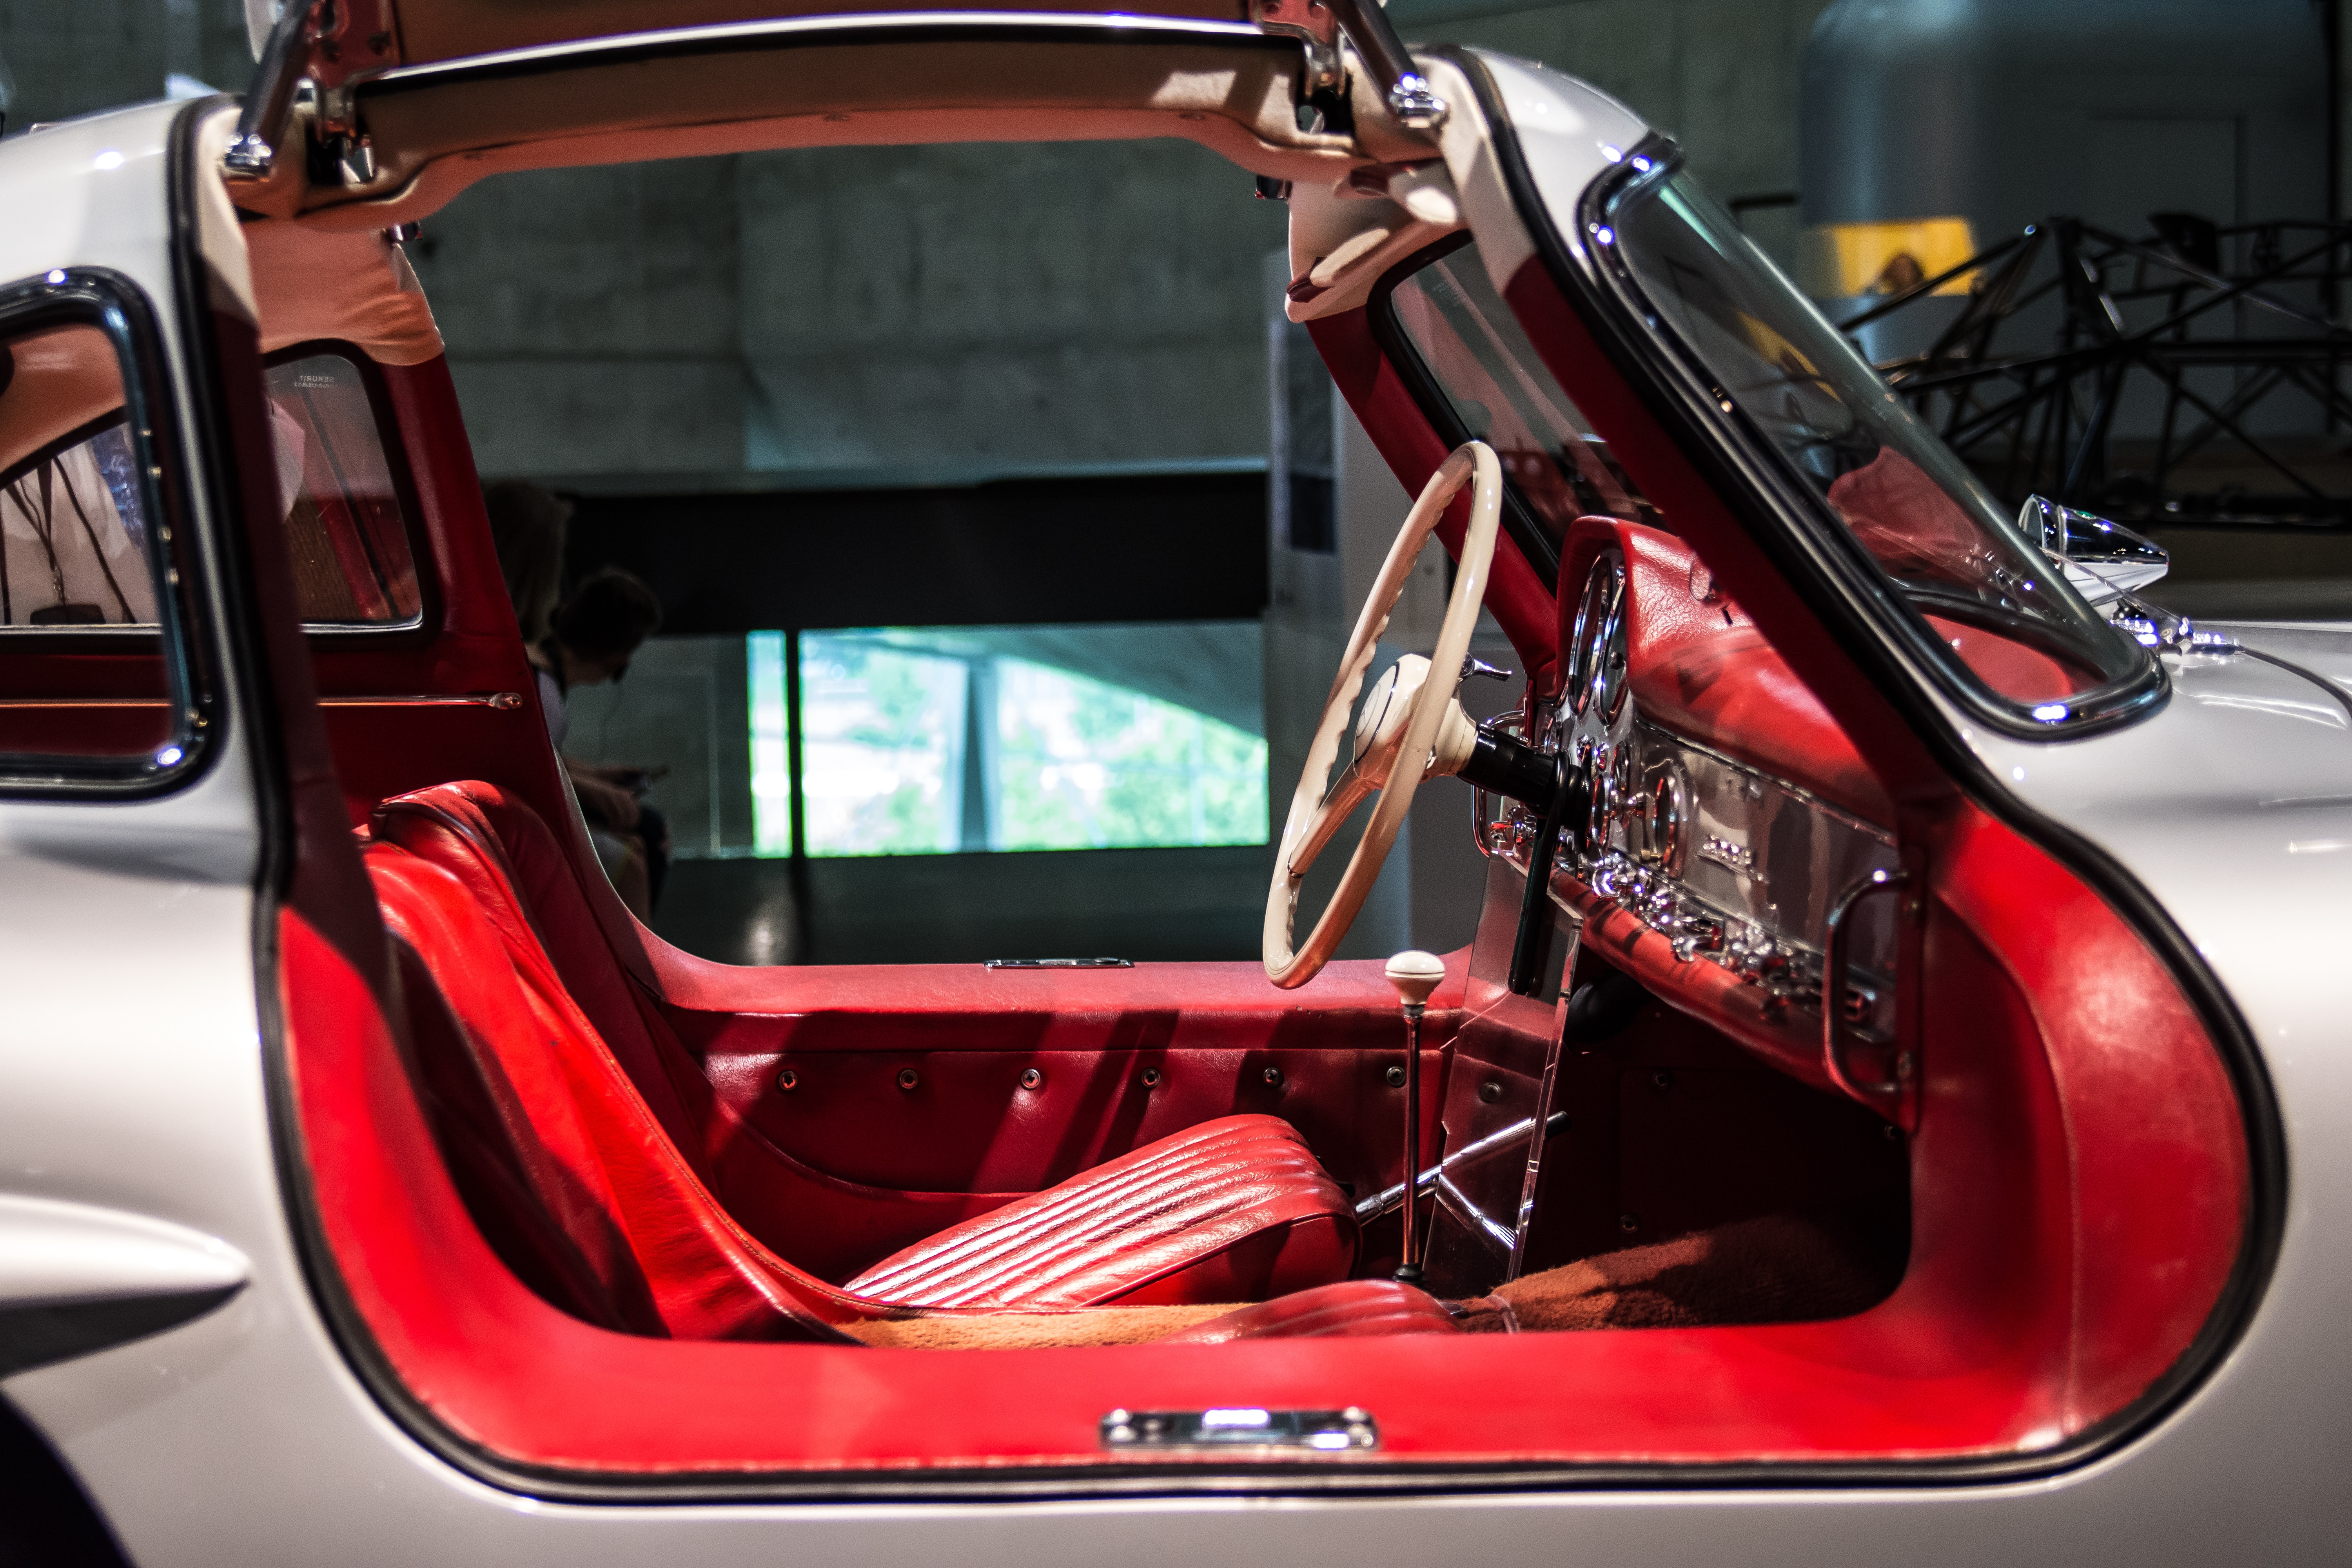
<point>1843,260</point>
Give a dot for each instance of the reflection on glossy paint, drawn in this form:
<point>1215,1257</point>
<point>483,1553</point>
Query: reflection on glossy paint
<point>2327,714</point>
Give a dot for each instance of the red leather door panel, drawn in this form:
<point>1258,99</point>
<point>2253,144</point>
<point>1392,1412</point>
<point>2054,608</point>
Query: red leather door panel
<point>1121,1058</point>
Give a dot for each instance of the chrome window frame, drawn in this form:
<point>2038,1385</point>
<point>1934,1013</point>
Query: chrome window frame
<point>423,625</point>
<point>99,298</point>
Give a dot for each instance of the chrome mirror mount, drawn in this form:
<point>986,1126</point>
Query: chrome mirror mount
<point>252,151</point>
<point>2103,561</point>
<point>1318,24</point>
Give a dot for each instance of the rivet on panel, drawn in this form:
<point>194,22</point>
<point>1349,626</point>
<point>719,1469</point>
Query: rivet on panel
<point>1152,1077</point>
<point>1629,1223</point>
<point>1491,1090</point>
<point>1662,1079</point>
<point>1395,1077</point>
<point>788,1080</point>
<point>1274,1077</point>
<point>908,1079</point>
<point>1032,1079</point>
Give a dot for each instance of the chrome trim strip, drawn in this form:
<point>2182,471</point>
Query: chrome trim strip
<point>1393,1197</point>
<point>1457,1203</point>
<point>1859,825</point>
<point>12,704</point>
<point>503,701</point>
<point>718,33</point>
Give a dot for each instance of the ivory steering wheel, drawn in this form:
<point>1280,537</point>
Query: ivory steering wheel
<point>1411,714</point>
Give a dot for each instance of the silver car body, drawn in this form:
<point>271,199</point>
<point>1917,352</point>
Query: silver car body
<point>132,1083</point>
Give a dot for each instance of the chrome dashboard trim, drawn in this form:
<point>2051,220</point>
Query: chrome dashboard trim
<point>1751,886</point>
<point>1835,985</point>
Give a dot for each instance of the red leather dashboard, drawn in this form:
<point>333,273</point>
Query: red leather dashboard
<point>1699,667</point>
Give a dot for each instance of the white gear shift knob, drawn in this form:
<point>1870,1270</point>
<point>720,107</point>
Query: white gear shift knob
<point>1416,975</point>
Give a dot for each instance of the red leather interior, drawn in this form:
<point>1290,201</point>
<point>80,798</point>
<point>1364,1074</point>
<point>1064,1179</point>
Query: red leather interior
<point>1699,667</point>
<point>1120,1058</point>
<point>2080,1187</point>
<point>851,1166</point>
<point>622,1219</point>
<point>2080,1174</point>
<point>612,1210</point>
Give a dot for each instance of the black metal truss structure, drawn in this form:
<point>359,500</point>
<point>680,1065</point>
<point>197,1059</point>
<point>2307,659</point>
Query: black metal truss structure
<point>2233,333</point>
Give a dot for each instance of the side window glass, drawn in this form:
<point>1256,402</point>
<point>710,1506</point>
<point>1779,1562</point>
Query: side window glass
<point>345,526</point>
<point>1482,370</point>
<point>72,519</point>
<point>96,688</point>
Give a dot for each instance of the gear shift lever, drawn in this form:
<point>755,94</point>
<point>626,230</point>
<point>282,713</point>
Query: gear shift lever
<point>1416,975</point>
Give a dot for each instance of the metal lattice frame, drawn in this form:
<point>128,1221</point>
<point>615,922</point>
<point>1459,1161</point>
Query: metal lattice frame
<point>2037,416</point>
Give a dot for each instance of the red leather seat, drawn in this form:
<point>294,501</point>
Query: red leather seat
<point>1209,1214</point>
<point>574,1135</point>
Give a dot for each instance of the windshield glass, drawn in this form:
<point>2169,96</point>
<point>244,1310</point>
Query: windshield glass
<point>2001,606</point>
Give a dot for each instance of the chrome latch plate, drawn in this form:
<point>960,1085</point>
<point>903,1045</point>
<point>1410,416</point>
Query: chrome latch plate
<point>1352,1430</point>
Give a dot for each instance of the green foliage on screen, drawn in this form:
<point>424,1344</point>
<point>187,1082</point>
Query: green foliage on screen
<point>900,729</point>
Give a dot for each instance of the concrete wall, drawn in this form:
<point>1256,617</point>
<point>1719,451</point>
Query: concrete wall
<point>72,56</point>
<point>1719,76</point>
<point>592,319</point>
<point>1072,303</point>
<point>887,313</point>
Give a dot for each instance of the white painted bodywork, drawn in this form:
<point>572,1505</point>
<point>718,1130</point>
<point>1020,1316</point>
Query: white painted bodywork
<point>51,1250</point>
<point>131,1077</point>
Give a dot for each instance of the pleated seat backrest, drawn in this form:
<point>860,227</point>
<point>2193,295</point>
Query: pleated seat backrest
<point>501,849</point>
<point>582,1187</point>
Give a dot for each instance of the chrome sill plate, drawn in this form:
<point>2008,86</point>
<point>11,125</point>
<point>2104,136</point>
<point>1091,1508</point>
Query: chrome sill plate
<point>1246,1426</point>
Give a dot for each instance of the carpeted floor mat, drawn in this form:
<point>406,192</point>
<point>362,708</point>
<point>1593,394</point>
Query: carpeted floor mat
<point>1777,1270</point>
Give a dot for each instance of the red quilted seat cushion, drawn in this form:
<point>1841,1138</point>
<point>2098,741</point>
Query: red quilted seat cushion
<point>1231,1210</point>
<point>552,1092</point>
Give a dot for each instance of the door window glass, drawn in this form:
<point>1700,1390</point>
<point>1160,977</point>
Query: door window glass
<point>73,528</point>
<point>92,684</point>
<point>1488,376</point>
<point>344,525</point>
